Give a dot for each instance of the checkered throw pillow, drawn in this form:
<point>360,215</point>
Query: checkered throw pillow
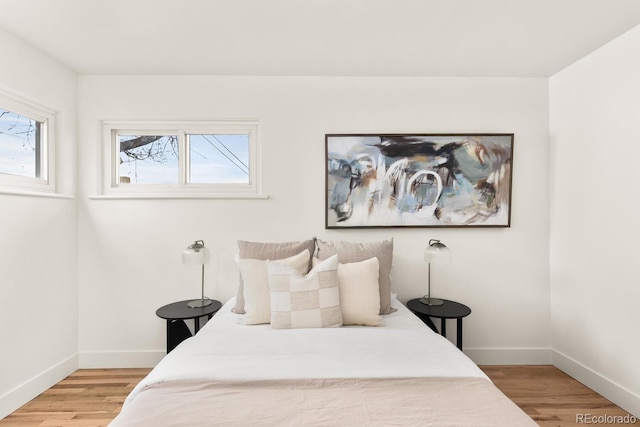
<point>311,301</point>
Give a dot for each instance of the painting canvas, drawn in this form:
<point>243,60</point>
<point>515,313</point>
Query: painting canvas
<point>418,180</point>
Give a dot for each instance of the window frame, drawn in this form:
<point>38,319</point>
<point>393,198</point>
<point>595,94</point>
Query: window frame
<point>110,181</point>
<point>44,181</point>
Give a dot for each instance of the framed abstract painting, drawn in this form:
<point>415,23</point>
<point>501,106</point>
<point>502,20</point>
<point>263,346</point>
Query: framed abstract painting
<point>418,180</point>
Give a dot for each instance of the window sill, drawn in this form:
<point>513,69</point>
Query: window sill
<point>177,196</point>
<point>36,194</point>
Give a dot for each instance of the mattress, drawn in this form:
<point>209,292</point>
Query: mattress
<point>255,375</point>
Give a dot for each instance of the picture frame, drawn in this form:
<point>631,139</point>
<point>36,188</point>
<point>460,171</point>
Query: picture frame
<point>418,180</point>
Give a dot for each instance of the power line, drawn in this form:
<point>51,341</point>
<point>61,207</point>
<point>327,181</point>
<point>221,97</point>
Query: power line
<point>226,156</point>
<point>230,152</point>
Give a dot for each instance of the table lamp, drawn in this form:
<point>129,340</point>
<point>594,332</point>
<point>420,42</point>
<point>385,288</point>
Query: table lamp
<point>437,253</point>
<point>197,253</point>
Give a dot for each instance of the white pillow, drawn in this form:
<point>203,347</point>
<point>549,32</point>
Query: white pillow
<point>360,292</point>
<point>360,251</point>
<point>255,279</point>
<point>311,301</point>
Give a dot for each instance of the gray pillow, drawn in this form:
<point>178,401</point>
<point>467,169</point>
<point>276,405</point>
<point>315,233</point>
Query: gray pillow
<point>355,252</point>
<point>270,251</point>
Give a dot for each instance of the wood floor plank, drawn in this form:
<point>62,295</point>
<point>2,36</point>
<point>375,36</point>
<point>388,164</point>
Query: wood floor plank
<point>549,396</point>
<point>86,398</point>
<point>93,397</point>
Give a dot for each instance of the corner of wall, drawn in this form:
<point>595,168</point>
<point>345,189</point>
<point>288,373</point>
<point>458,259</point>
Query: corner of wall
<point>616,393</point>
<point>33,387</point>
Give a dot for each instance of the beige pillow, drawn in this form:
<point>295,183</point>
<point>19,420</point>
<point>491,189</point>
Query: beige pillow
<point>255,277</point>
<point>264,251</point>
<point>359,293</point>
<point>355,252</point>
<point>311,301</point>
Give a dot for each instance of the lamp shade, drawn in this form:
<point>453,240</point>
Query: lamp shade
<point>196,253</point>
<point>437,253</point>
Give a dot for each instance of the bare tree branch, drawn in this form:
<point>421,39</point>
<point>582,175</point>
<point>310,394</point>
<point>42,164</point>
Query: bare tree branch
<point>138,142</point>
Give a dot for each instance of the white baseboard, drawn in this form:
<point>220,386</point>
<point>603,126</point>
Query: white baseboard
<point>149,359</point>
<point>616,393</point>
<point>22,394</point>
<point>509,356</point>
<point>120,359</point>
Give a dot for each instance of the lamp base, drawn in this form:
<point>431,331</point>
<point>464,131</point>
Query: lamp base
<point>199,303</point>
<point>431,301</point>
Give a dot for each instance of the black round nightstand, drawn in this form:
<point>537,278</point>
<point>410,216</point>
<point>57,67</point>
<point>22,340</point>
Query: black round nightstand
<point>176,313</point>
<point>448,310</point>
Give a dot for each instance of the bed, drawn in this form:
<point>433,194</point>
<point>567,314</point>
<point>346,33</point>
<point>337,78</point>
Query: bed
<point>314,337</point>
<point>401,374</point>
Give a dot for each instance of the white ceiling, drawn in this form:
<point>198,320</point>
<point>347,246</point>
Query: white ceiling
<point>501,38</point>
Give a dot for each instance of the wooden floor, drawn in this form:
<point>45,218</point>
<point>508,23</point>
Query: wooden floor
<point>551,397</point>
<point>93,397</point>
<point>86,398</point>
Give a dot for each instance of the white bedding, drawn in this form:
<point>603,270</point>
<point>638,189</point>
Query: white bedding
<point>224,350</point>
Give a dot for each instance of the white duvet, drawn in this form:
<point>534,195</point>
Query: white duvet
<point>224,350</point>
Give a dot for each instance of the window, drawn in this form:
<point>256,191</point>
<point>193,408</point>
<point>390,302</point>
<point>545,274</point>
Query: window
<point>26,146</point>
<point>181,159</point>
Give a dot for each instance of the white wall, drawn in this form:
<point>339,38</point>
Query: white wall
<point>129,264</point>
<point>595,146</point>
<point>38,244</point>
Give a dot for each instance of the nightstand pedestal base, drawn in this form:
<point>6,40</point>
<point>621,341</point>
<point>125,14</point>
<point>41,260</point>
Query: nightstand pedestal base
<point>446,310</point>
